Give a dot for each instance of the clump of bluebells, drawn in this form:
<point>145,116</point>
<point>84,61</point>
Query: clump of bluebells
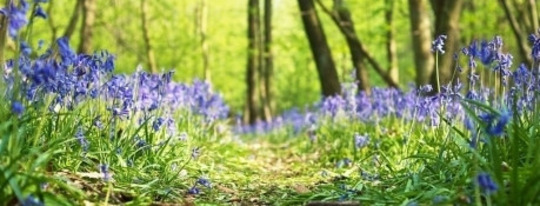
<point>493,116</point>
<point>131,115</point>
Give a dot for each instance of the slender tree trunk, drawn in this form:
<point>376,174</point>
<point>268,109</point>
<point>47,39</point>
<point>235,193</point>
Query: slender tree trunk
<point>252,61</point>
<point>421,38</point>
<point>357,57</point>
<point>89,14</point>
<point>268,61</point>
<point>202,20</point>
<point>356,48</point>
<point>320,50</point>
<point>72,25</point>
<point>519,34</point>
<point>151,60</point>
<point>391,46</point>
<point>447,22</point>
<point>534,15</point>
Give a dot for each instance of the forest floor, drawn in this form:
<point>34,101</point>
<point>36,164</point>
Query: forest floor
<point>260,172</point>
<point>265,171</point>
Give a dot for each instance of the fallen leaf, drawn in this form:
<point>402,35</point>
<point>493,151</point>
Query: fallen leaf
<point>301,189</point>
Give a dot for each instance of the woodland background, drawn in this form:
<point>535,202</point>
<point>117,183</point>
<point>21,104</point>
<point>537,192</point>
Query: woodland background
<point>227,42</point>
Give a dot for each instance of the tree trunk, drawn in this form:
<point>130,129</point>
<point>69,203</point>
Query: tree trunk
<point>357,57</point>
<point>421,39</point>
<point>447,22</point>
<point>356,48</point>
<point>202,19</point>
<point>151,60</point>
<point>268,61</point>
<point>391,47</point>
<point>89,14</point>
<point>534,15</point>
<point>319,48</point>
<point>519,33</point>
<point>252,61</point>
<point>72,25</point>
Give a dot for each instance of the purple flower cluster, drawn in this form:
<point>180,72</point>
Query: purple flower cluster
<point>71,79</point>
<point>416,105</point>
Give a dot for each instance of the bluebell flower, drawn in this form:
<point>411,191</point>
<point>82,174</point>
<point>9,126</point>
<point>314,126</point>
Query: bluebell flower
<point>140,143</point>
<point>360,141</point>
<point>17,107</point>
<point>535,41</point>
<point>156,125</point>
<point>438,43</point>
<point>97,122</point>
<point>67,55</point>
<point>194,191</point>
<point>485,182</point>
<point>497,128</point>
<point>25,48</point>
<point>425,89</point>
<point>79,135</point>
<point>521,75</point>
<point>204,182</point>
<point>16,16</point>
<point>31,201</point>
<point>40,13</point>
<point>195,152</point>
<point>104,169</point>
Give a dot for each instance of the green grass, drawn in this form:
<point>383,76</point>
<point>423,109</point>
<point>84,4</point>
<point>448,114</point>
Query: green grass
<point>280,168</point>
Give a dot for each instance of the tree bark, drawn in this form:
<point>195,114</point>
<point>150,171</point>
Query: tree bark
<point>357,57</point>
<point>150,58</point>
<point>252,62</point>
<point>72,25</point>
<point>268,61</point>
<point>421,38</point>
<point>519,34</point>
<point>320,50</point>
<point>391,46</point>
<point>89,14</point>
<point>534,15</point>
<point>202,19</point>
<point>356,45</point>
<point>447,22</point>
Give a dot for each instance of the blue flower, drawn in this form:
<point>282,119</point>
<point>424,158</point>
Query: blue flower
<point>194,191</point>
<point>40,13</point>
<point>360,141</point>
<point>497,129</point>
<point>158,123</point>
<point>17,107</point>
<point>67,55</point>
<point>486,183</point>
<point>79,135</point>
<point>104,169</point>
<point>25,48</point>
<point>204,182</point>
<point>438,43</point>
<point>16,17</point>
<point>31,201</point>
<point>535,40</point>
